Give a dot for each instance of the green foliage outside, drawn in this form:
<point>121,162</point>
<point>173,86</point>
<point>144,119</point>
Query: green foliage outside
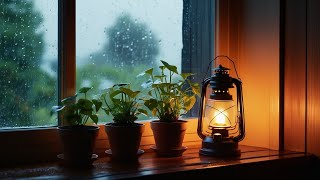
<point>130,48</point>
<point>129,43</point>
<point>27,92</point>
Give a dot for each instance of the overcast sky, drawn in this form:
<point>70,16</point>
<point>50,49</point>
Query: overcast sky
<point>164,18</point>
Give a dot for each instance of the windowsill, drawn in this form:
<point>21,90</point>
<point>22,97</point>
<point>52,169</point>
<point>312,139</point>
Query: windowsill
<point>254,161</point>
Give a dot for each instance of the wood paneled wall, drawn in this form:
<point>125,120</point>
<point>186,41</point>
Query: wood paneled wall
<point>302,76</point>
<point>294,74</point>
<point>248,32</point>
<point>276,46</point>
<point>313,77</point>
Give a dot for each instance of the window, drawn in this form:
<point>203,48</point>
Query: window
<point>128,38</point>
<point>118,39</point>
<point>115,41</point>
<point>56,33</point>
<point>28,62</point>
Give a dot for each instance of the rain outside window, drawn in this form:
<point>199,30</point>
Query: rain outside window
<point>118,39</point>
<point>115,41</point>
<point>28,62</point>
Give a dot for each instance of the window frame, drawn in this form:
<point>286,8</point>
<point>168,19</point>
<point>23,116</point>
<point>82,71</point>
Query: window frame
<point>66,50</point>
<point>29,145</point>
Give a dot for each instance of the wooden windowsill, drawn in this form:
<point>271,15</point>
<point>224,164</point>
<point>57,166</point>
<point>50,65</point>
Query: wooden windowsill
<point>254,161</point>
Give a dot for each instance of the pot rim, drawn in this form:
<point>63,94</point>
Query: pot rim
<point>131,125</point>
<point>178,121</point>
<point>74,127</point>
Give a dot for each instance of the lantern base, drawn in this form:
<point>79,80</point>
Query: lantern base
<point>222,148</point>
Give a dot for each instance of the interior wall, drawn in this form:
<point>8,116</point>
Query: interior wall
<point>248,32</point>
<point>294,74</point>
<point>302,72</point>
<point>313,77</point>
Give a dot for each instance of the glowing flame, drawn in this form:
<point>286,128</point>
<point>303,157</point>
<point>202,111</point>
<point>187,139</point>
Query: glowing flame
<point>220,119</point>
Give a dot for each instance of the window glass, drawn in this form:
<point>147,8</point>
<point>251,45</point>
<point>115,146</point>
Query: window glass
<point>118,39</point>
<point>28,62</point>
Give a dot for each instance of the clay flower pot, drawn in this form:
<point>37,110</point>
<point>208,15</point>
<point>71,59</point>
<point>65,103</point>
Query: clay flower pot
<point>169,137</point>
<point>124,141</point>
<point>78,144</point>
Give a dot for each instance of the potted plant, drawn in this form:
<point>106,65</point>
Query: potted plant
<point>171,94</point>
<point>124,134</point>
<point>79,127</point>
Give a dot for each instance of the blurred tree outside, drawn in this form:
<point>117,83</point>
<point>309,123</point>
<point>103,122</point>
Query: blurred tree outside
<point>130,48</point>
<point>27,92</point>
<point>129,43</point>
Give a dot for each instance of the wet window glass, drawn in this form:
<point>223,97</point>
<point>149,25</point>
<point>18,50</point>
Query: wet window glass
<point>28,62</point>
<point>118,39</point>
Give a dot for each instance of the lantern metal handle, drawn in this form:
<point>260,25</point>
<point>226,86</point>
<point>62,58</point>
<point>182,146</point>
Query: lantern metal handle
<point>241,135</point>
<point>203,92</point>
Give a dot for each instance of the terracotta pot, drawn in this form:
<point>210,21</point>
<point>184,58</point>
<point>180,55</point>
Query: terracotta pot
<point>169,137</point>
<point>78,144</point>
<point>124,141</point>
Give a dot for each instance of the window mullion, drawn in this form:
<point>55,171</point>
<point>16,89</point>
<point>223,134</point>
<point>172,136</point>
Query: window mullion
<point>67,49</point>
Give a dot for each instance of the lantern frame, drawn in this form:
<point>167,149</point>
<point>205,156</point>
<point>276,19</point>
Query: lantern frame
<point>219,143</point>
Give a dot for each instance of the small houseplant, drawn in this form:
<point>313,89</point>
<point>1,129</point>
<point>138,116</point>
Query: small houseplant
<point>79,127</point>
<point>124,134</point>
<point>168,100</point>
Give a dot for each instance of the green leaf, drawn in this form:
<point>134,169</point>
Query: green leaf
<point>106,110</point>
<point>94,118</point>
<point>170,67</point>
<point>149,71</point>
<point>151,103</point>
<point>129,92</point>
<point>86,111</point>
<point>189,102</point>
<point>115,93</point>
<point>79,120</point>
<point>143,111</point>
<point>162,67</point>
<point>116,102</point>
<point>84,89</point>
<point>195,88</point>
<point>158,85</point>
<point>154,112</point>
<point>84,104</point>
<point>97,104</point>
<point>186,75</point>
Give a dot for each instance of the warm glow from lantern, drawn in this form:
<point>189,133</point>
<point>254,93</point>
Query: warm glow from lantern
<point>219,114</point>
<point>220,119</point>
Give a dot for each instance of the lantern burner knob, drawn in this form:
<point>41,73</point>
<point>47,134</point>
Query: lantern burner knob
<point>217,137</point>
